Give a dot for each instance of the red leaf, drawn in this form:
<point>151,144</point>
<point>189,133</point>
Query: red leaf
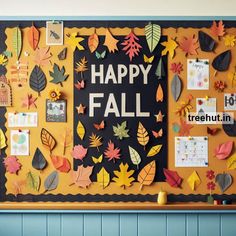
<point>12,165</point>
<point>131,46</point>
<point>223,150</point>
<point>172,178</point>
<point>189,45</point>
<point>79,152</point>
<point>218,30</point>
<point>111,152</point>
<point>61,163</point>
<point>176,68</point>
<point>212,131</point>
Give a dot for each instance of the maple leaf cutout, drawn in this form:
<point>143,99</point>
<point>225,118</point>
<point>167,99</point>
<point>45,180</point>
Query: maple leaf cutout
<point>29,101</point>
<point>42,56</point>
<point>218,30</point>
<point>12,164</point>
<point>111,152</point>
<point>79,152</point>
<point>131,46</point>
<point>176,68</point>
<point>81,177</point>
<point>110,42</point>
<point>123,177</point>
<point>170,46</point>
<point>189,45</point>
<point>95,141</point>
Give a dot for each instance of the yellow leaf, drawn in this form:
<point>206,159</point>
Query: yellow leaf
<point>2,140</point>
<point>142,135</point>
<point>170,47</point>
<point>80,130</point>
<point>124,177</point>
<point>229,40</point>
<point>194,180</point>
<point>231,162</point>
<point>103,178</point>
<point>74,41</point>
<point>154,150</point>
<point>110,42</point>
<point>95,141</point>
<point>97,160</point>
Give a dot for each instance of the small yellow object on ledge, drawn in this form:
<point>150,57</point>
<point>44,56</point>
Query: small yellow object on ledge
<point>162,198</point>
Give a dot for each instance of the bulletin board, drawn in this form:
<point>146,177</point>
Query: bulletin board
<point>94,112</point>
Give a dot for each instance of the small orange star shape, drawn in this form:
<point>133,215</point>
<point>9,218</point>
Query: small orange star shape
<point>159,117</point>
<point>81,109</point>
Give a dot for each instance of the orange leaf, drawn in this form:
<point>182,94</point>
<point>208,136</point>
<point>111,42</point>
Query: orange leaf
<point>159,94</point>
<point>110,42</point>
<point>60,163</point>
<point>42,56</point>
<point>189,45</point>
<point>33,37</point>
<point>93,42</point>
<point>218,30</point>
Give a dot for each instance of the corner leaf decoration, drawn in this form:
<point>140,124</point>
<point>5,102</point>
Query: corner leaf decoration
<point>93,42</point>
<point>176,87</point>
<point>51,182</point>
<point>111,152</point>
<point>33,37</point>
<point>103,178</point>
<point>62,164</point>
<point>32,181</point>
<point>170,46</point>
<point>154,150</point>
<point>42,56</point>
<point>110,42</point>
<point>172,178</point>
<point>123,177</point>
<point>120,130</point>
<point>80,130</point>
<point>2,140</point>
<point>153,35</point>
<point>142,135</point>
<point>134,156</point>
<point>160,71</point>
<point>48,140</point>
<point>37,80</point>
<point>189,45</point>
<point>95,141</point>
<point>75,41</point>
<point>147,174</point>
<point>39,162</point>
<point>79,152</point>
<point>17,41</point>
<point>81,177</point>
<point>58,75</point>
<point>223,151</point>
<point>131,45</point>
<point>12,164</point>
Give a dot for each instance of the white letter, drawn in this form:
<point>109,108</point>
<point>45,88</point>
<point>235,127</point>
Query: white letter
<point>139,113</point>
<point>110,75</point>
<point>133,72</point>
<point>111,106</point>
<point>145,72</point>
<point>122,72</point>
<point>123,106</point>
<point>92,104</point>
<point>95,74</point>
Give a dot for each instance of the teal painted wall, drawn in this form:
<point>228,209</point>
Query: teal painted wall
<point>117,224</point>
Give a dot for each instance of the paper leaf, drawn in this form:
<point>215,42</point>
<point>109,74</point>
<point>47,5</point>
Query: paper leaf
<point>37,80</point>
<point>231,162</point>
<point>184,127</point>
<point>29,101</point>
<point>32,181</point>
<point>58,75</point>
<point>172,178</point>
<point>81,176</point>
<point>39,162</point>
<point>79,152</point>
<point>153,35</point>
<point>222,151</point>
<point>62,55</point>
<point>154,150</point>
<point>93,42</point>
<point>185,106</point>
<point>230,129</point>
<point>33,37</point>
<point>142,135</point>
<point>2,140</point>
<point>131,45</point>
<point>51,182</point>
<point>66,139</point>
<point>74,41</point>
<point>194,181</point>
<point>218,30</point>
<point>12,164</point>
<point>176,68</point>
<point>97,160</point>
<point>170,46</point>
<point>62,164</point>
<point>120,130</point>
<point>42,56</point>
<point>189,45</point>
<point>222,61</point>
<point>176,87</point>
<point>111,152</point>
<point>160,71</point>
<point>229,40</point>
<point>81,66</point>
<point>17,41</point>
<point>134,156</point>
<point>48,140</point>
<point>147,174</point>
<point>110,42</point>
<point>159,94</point>
<point>212,131</point>
<point>207,43</point>
<point>224,181</point>
<point>80,130</point>
<point>103,178</point>
<point>17,187</point>
<point>123,177</point>
<point>100,126</point>
<point>95,141</point>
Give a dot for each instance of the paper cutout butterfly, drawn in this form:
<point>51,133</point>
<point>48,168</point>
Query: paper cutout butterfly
<point>98,159</point>
<point>101,55</point>
<point>158,134</point>
<point>148,60</point>
<point>99,126</point>
<point>80,85</point>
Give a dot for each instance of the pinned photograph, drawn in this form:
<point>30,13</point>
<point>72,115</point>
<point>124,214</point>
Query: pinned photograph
<point>54,33</point>
<point>55,111</point>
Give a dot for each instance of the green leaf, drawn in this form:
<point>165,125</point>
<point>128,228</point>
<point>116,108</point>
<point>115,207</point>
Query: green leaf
<point>120,131</point>
<point>33,181</point>
<point>17,41</point>
<point>160,71</point>
<point>153,35</point>
<point>134,156</point>
<point>51,181</point>
<point>37,80</point>
<point>58,74</point>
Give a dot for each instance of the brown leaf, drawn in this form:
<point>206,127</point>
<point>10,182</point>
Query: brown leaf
<point>48,140</point>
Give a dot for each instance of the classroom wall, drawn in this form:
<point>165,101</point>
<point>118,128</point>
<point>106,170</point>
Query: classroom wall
<point>148,223</point>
